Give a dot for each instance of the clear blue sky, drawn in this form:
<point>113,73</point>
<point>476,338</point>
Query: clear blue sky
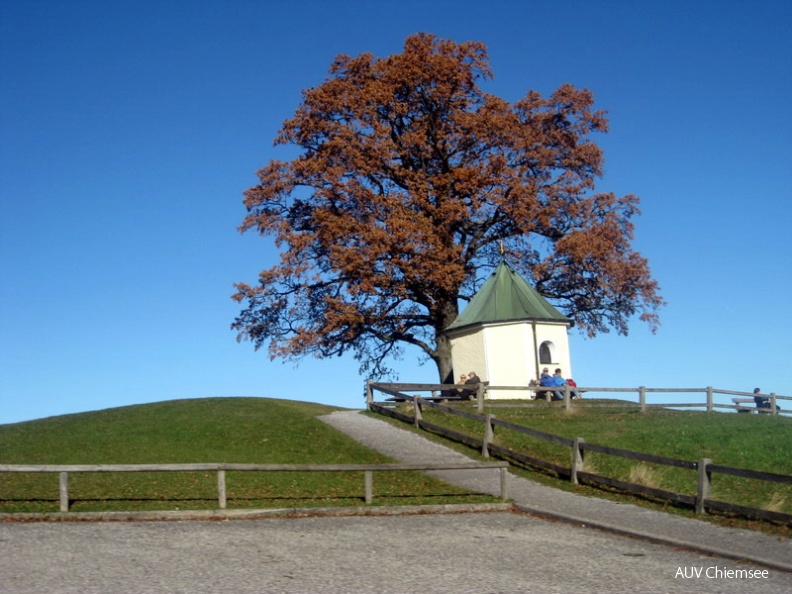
<point>129,131</point>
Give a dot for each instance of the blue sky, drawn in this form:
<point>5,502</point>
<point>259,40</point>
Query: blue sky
<point>129,130</point>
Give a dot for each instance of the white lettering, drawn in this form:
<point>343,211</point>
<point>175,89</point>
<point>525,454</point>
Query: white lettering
<point>688,572</point>
<point>724,573</point>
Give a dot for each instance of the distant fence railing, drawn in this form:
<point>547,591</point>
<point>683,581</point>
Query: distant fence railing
<point>63,470</point>
<point>709,400</point>
<point>704,467</point>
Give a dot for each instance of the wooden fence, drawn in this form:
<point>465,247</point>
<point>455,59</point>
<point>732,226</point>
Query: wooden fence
<point>709,400</point>
<point>704,467</point>
<point>368,470</point>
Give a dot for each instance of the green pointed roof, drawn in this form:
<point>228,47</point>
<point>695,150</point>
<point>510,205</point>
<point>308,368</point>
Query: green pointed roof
<point>506,297</point>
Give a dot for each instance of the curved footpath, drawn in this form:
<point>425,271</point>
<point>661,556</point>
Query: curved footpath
<point>696,535</point>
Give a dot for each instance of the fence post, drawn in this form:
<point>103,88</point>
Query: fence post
<point>704,483</point>
<point>63,488</point>
<point>368,485</point>
<point>642,398</point>
<point>417,412</point>
<point>480,398</point>
<point>567,403</point>
<point>577,459</point>
<point>709,399</point>
<point>504,489</point>
<point>221,489</point>
<point>488,435</point>
<point>773,405</point>
<point>369,394</point>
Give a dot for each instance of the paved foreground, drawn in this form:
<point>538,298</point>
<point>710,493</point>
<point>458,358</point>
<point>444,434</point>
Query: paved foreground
<point>479,553</point>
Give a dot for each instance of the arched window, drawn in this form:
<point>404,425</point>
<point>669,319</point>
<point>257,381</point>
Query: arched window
<point>545,352</point>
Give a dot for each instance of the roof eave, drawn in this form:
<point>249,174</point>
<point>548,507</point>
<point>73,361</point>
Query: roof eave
<point>565,322</point>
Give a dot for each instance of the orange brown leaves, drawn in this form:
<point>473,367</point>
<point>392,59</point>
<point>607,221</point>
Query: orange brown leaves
<point>408,180</point>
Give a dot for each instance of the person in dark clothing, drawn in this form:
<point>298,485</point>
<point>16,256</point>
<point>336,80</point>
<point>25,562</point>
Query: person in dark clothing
<point>472,380</point>
<point>455,392</point>
<point>763,401</point>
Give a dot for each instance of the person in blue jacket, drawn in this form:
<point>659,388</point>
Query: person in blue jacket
<point>546,381</point>
<point>557,381</point>
<point>552,381</point>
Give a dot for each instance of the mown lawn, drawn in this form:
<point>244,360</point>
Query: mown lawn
<point>220,430</point>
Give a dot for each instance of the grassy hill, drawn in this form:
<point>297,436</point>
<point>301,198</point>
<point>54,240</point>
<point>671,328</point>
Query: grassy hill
<point>227,430</point>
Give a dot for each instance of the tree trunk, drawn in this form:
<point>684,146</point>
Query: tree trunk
<point>446,315</point>
<point>442,359</point>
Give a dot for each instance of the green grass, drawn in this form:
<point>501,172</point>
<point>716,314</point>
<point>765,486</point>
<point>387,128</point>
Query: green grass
<point>219,430</point>
<point>758,442</point>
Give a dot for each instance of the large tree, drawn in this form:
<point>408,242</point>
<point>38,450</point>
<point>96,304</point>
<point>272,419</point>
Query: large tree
<point>409,180</point>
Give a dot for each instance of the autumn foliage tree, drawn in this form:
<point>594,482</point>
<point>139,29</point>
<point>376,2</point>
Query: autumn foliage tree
<point>409,180</point>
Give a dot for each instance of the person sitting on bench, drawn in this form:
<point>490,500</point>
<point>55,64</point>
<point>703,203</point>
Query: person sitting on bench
<point>455,392</point>
<point>763,401</point>
<point>472,380</point>
<point>553,381</point>
<point>558,381</point>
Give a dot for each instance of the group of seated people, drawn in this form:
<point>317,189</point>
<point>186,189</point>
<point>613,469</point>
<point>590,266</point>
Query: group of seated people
<point>471,379</point>
<point>555,381</point>
<point>545,380</point>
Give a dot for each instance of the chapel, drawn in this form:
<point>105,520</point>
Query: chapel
<point>508,333</point>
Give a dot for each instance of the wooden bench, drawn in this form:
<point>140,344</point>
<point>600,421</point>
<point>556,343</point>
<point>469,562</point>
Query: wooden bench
<point>546,392</point>
<point>438,398</point>
<point>768,407</point>
<point>743,409</point>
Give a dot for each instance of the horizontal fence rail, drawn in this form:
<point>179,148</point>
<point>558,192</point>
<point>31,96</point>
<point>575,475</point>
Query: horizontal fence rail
<point>704,467</point>
<point>63,470</point>
<point>740,401</point>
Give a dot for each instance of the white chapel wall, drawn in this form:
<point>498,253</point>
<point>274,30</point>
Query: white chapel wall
<point>505,355</point>
<point>467,354</point>
<point>505,347</point>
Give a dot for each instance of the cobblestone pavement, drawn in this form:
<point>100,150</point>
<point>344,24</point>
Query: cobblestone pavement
<point>477,553</point>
